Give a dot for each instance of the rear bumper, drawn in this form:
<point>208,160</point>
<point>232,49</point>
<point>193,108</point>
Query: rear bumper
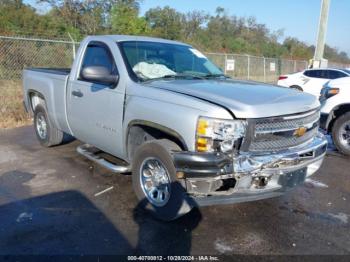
<point>218,179</point>
<point>282,83</point>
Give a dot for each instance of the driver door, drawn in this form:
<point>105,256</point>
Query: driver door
<point>95,109</point>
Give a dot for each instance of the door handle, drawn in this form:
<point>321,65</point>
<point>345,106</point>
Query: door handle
<point>77,93</point>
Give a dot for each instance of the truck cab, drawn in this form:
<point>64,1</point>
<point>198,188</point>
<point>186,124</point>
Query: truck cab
<point>189,135</point>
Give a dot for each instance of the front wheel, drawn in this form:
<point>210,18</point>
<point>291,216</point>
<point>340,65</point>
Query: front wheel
<point>341,133</point>
<point>154,180</point>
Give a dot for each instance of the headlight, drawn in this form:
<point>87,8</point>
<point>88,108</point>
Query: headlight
<point>331,92</point>
<point>218,134</point>
<point>328,91</point>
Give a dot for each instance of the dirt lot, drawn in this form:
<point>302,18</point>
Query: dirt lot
<point>49,204</point>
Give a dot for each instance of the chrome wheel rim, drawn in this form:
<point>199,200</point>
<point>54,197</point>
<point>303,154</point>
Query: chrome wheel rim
<point>344,134</point>
<point>41,126</point>
<point>155,181</point>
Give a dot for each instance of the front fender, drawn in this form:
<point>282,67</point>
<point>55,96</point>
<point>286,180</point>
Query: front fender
<point>176,120</point>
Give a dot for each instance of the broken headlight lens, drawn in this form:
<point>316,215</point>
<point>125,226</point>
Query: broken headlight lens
<point>218,135</point>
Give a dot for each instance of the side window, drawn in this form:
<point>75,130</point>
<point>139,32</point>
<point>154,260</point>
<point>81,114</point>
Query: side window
<point>324,74</point>
<point>98,55</point>
<point>313,73</point>
<point>307,73</point>
<point>334,74</point>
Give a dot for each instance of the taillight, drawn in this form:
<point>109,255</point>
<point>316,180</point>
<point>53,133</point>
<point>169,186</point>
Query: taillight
<point>282,77</point>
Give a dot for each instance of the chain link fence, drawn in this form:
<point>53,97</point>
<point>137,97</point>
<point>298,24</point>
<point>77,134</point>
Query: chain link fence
<point>17,53</point>
<point>337,65</point>
<point>262,69</point>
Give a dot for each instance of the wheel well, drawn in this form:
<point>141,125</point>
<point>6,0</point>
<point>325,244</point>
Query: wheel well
<point>35,98</point>
<point>336,113</point>
<point>296,87</point>
<point>138,134</point>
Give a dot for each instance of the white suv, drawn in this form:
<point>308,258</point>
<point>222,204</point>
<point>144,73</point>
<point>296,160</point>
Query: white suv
<point>312,80</point>
<point>335,112</point>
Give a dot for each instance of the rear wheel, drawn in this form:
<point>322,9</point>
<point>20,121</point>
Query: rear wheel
<point>154,180</point>
<point>341,133</point>
<point>47,134</point>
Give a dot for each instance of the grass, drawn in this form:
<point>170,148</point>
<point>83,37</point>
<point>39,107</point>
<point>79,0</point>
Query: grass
<point>12,113</point>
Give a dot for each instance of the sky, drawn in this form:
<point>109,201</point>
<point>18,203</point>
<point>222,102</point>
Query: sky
<point>298,18</point>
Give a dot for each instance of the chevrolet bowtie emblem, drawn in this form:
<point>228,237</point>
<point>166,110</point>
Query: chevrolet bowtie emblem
<point>300,131</point>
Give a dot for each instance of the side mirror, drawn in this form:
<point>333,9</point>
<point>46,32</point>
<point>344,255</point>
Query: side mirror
<point>99,74</point>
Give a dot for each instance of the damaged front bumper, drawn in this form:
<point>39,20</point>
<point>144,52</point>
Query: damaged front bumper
<point>220,179</point>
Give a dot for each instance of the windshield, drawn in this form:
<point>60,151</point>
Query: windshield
<point>152,60</point>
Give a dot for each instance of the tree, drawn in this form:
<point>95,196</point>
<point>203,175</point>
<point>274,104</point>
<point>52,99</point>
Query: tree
<point>19,18</point>
<point>219,32</point>
<point>192,24</point>
<point>296,49</point>
<point>78,17</point>
<point>124,18</point>
<point>165,22</point>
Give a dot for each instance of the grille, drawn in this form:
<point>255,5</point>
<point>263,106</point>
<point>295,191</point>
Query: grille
<point>280,133</point>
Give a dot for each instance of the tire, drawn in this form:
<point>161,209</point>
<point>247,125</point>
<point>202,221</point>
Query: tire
<point>171,204</point>
<point>47,134</point>
<point>341,125</point>
<point>297,87</point>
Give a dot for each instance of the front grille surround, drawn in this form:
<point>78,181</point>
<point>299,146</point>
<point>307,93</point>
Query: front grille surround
<point>279,133</point>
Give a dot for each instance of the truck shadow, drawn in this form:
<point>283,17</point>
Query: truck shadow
<point>63,223</point>
<point>164,237</point>
<point>68,223</point>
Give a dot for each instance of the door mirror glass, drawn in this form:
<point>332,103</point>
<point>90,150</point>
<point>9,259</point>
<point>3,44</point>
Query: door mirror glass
<point>99,74</point>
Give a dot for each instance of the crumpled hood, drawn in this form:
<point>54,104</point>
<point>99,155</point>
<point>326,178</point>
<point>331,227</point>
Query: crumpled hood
<point>243,98</point>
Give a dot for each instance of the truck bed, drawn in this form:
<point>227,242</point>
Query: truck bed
<point>57,71</point>
<point>50,84</point>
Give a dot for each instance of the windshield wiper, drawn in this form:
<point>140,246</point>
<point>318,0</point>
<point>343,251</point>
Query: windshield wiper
<point>188,76</point>
<point>208,76</point>
<point>177,76</point>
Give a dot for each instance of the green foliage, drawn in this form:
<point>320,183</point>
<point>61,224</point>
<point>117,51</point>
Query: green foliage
<point>165,22</point>
<point>16,17</point>
<point>124,18</point>
<point>297,49</point>
<point>219,32</point>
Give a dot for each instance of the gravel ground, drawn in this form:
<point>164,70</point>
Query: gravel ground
<point>50,204</point>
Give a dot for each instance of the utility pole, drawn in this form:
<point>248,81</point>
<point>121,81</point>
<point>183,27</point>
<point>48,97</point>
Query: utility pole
<point>318,60</point>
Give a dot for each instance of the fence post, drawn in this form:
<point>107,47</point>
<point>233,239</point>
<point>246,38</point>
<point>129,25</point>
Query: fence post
<point>295,66</point>
<point>264,69</point>
<point>225,63</point>
<point>248,71</point>
<point>73,44</point>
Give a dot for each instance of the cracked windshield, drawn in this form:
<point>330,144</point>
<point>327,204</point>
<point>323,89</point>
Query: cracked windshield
<point>152,60</point>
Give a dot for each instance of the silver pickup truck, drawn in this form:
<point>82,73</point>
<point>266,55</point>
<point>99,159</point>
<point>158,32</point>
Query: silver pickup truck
<point>189,135</point>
